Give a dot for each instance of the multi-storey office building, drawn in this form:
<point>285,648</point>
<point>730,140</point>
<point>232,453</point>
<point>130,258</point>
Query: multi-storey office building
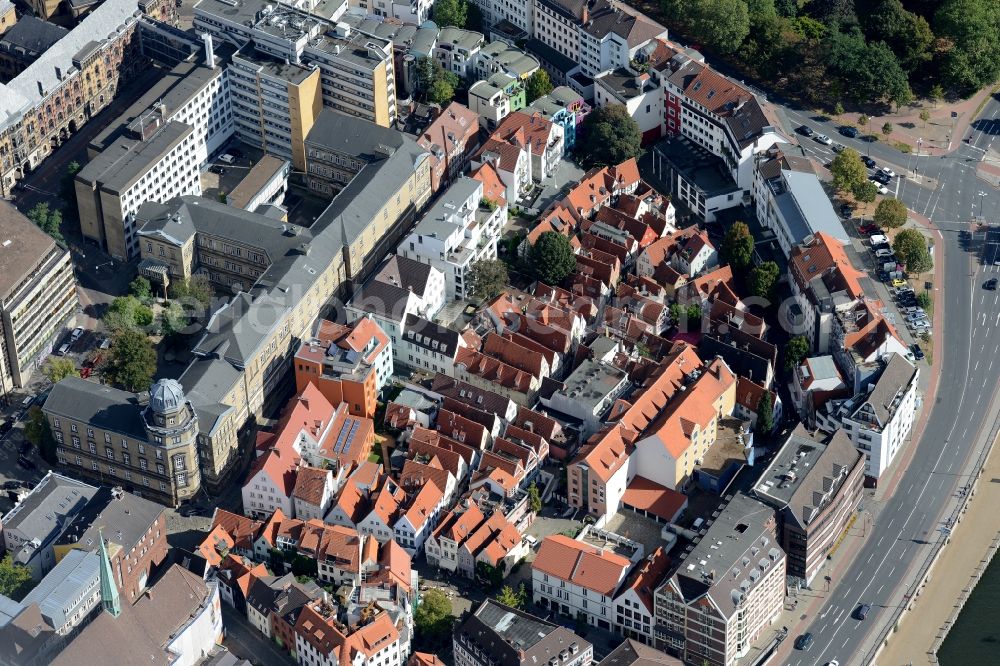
<point>157,162</point>
<point>815,484</point>
<point>71,82</point>
<point>726,590</point>
<point>38,299</point>
<point>110,437</point>
<point>274,104</point>
<point>407,11</point>
<point>357,76</point>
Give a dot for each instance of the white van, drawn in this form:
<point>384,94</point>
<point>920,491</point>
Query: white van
<point>878,239</point>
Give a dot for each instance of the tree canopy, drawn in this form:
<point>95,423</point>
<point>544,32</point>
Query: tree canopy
<point>487,278</point>
<point>58,368</point>
<point>763,278</point>
<point>534,498</point>
<point>433,618</point>
<point>141,289</point>
<point>38,432</point>
<point>450,13</point>
<point>796,349</point>
<point>15,579</point>
<point>890,213</point>
<point>552,258</point>
<point>537,85</point>
<point>610,136</point>
<point>911,248</point>
<point>508,596</point>
<point>765,414</point>
<point>126,313</point>
<point>848,170</point>
<point>737,247</point>
<point>436,84</point>
<point>131,361</point>
<point>47,220</point>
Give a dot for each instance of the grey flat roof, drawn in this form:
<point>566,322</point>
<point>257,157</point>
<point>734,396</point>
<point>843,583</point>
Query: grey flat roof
<point>102,406</point>
<point>127,160</point>
<point>48,506</point>
<point>439,221</point>
<point>696,165</point>
<point>823,367</point>
<point>123,517</point>
<point>799,468</point>
<point>813,211</point>
<point>591,382</point>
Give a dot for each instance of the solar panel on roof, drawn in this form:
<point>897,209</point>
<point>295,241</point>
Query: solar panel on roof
<point>340,439</point>
<point>350,436</point>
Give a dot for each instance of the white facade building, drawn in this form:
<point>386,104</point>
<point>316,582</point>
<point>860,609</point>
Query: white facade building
<point>456,233</point>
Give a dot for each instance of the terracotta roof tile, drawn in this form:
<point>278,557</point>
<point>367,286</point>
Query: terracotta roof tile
<point>589,567</point>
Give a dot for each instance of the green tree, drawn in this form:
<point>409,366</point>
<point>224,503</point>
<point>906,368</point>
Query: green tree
<point>552,258</point>
<point>887,129</point>
<point>197,290</point>
<point>15,580</point>
<point>870,72</point>
<point>720,24</point>
<point>126,313</point>
<point>924,299</point>
<point>848,170</point>
<point>491,575</point>
<point>610,136</point>
<point>47,220</point>
<point>970,35</point>
<point>487,278</point>
<point>534,498</point>
<point>935,95</point>
<point>863,121</point>
<point>685,317</point>
<point>513,598</point>
<point>537,85</point>
<point>131,361</point>
<point>763,278</point>
<point>38,432</point>
<point>865,191</point>
<point>907,34</point>
<point>765,414</point>
<point>173,319</point>
<point>925,115</point>
<point>441,92</point>
<point>450,13</point>
<point>141,289</point>
<point>911,247</point>
<point>433,619</point>
<point>890,213</point>
<point>796,349</point>
<point>737,247</point>
<point>58,368</point>
<point>838,109</point>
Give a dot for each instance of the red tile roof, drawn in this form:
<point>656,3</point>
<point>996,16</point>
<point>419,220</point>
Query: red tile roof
<point>658,500</point>
<point>588,566</point>
<point>310,483</point>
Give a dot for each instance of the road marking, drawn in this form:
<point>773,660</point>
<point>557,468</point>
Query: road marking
<point>846,641</point>
<point>880,541</point>
<point>879,590</point>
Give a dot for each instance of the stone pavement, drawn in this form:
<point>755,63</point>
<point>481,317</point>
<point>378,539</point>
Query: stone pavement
<point>924,624</point>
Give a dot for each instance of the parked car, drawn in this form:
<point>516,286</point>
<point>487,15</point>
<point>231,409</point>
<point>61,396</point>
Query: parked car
<point>847,130</point>
<point>838,148</point>
<point>11,485</point>
<point>218,170</point>
<point>25,448</point>
<point>991,284</point>
<point>846,210</point>
<point>804,130</point>
<point>878,239</point>
<point>27,402</point>
<point>883,253</point>
<point>869,229</point>
<point>898,282</point>
<point>882,189</point>
<point>887,171</point>
<point>76,334</point>
<point>804,642</point>
<point>918,353</point>
<point>26,463</point>
<point>882,177</point>
<point>824,139</point>
<point>62,349</point>
<point>227,158</point>
<point>105,343</point>
<point>869,162</point>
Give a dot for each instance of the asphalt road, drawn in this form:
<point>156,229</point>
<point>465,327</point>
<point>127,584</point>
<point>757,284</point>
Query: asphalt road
<point>908,523</point>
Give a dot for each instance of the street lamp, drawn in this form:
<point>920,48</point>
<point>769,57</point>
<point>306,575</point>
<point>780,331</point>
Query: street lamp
<point>981,195</point>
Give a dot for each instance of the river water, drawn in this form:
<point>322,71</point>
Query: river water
<point>975,638</point>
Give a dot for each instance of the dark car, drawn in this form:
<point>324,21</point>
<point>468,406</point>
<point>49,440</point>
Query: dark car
<point>804,642</point>
<point>861,612</point>
<point>25,448</point>
<point>869,162</point>
<point>25,462</point>
<point>219,170</point>
<point>869,229</point>
<point>846,210</point>
<point>918,353</point>
<point>991,284</point>
<point>804,130</point>
<point>11,485</point>
<point>847,130</point>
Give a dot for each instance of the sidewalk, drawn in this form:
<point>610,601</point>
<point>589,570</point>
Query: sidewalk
<point>924,624</point>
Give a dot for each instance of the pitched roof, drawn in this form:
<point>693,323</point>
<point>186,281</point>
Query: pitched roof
<point>649,496</point>
<point>428,497</point>
<point>310,482</point>
<point>242,530</point>
<point>585,565</point>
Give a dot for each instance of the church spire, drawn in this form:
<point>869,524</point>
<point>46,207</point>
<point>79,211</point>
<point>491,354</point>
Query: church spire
<point>109,591</point>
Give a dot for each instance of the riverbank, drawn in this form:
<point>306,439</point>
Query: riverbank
<point>961,564</point>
